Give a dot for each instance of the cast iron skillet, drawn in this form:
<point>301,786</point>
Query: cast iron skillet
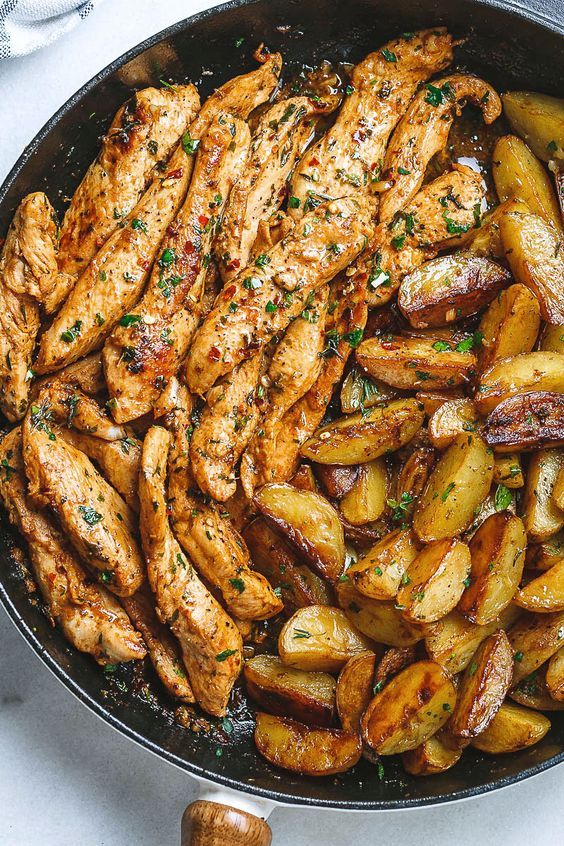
<point>509,46</point>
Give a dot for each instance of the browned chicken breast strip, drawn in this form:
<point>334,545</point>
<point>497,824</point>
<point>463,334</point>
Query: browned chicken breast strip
<point>210,641</point>
<point>89,616</point>
<point>96,520</point>
<point>349,157</point>
<point>146,349</point>
<point>86,374</point>
<point>124,262</point>
<point>142,134</point>
<point>256,306</point>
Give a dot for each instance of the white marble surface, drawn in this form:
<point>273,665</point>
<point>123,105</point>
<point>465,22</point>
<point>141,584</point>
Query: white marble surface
<point>66,777</point>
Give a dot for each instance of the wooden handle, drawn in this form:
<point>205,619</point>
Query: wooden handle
<point>211,824</point>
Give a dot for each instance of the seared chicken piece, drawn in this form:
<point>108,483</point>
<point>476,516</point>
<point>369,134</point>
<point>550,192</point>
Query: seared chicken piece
<point>204,529</point>
<point>68,405</point>
<point>89,616</point>
<point>423,131</point>
<point>145,351</point>
<point>142,134</point>
<point>270,232</point>
<point>280,138</point>
<point>96,520</point>
<point>349,157</point>
<point>210,641</point>
<point>86,374</point>
<point>162,646</point>
<point>256,306</point>
<point>293,370</point>
<point>114,280</point>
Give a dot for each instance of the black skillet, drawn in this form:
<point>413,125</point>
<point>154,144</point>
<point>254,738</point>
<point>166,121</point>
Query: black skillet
<point>512,47</point>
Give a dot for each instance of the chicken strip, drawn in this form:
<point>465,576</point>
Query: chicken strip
<point>255,307</point>
<point>142,134</point>
<point>96,520</point>
<point>280,138</point>
<point>210,641</point>
<point>270,232</point>
<point>87,374</point>
<point>293,370</point>
<point>423,132</point>
<point>89,616</point>
<point>146,349</point>
<point>349,157</point>
<point>114,280</point>
<point>162,646</point>
<point>205,530</point>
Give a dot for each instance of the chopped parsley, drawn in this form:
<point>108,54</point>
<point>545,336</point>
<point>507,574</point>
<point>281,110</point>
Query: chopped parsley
<point>70,335</point>
<point>89,515</point>
<point>502,498</point>
<point>130,320</point>
<point>189,144</point>
<point>227,653</point>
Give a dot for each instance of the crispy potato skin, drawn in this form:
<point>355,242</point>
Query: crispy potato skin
<point>511,729</point>
<point>453,640</point>
<point>434,581</point>
<point>525,422</point>
<point>541,516</point>
<point>366,501</point>
<point>509,326</point>
<point>378,572</point>
<point>534,638</point>
<point>545,593</point>
<point>337,480</point>
<point>355,690</point>
<point>430,758</point>
<point>537,119</point>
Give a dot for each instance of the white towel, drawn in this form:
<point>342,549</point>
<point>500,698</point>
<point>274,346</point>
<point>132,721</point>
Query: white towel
<point>27,25</point>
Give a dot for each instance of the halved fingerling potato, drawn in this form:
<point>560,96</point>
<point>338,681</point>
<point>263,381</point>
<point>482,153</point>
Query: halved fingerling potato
<point>509,325</point>
<point>285,691</point>
<point>430,758</point>
<point>534,251</point>
<point>301,749</point>
<point>411,708</point>
<point>558,490</point>
<point>303,479</point>
<point>541,516</point>
<point>453,418</point>
<point>359,391</point>
<point>391,663</point>
<point>486,239</point>
<point>525,422</point>
<point>320,638</point>
<point>512,728</point>
<point>413,476</point>
<point>545,593</point>
<point>310,523</point>
<point>449,288</point>
<point>534,639</point>
<point>552,338</point>
<point>366,500</point>
<point>432,400</point>
<point>538,119</point>
<point>412,363</point>
<point>533,692</point>
<point>378,572</point>
<point>337,479</point>
<point>508,470</point>
<point>534,371</point>
<point>484,686</point>
<point>544,555</point>
<point>358,438</point>
<point>555,675</point>
<point>377,619</point>
<point>434,581</point>
<point>355,690</point>
<point>518,174</point>
<point>460,481</point>
<point>498,556</point>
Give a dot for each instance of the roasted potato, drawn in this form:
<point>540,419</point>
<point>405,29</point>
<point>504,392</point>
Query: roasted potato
<point>486,239</point>
<point>545,593</point>
<point>432,400</point>
<point>498,557</point>
<point>310,523</point>
<point>450,287</point>
<point>430,757</point>
<point>392,662</point>
<point>533,250</point>
<point>453,418</point>
<point>525,422</point>
<point>534,371</point>
<point>285,691</point>
<point>509,325</point>
<point>552,338</point>
<point>558,490</point>
<point>377,619</point>
<point>320,638</point>
<point>555,675</point>
<point>532,692</point>
<point>355,690</point>
<point>337,479</point>
<point>542,517</point>
<point>534,639</point>
<point>378,572</point>
<point>303,479</point>
<point>366,500</point>
<point>411,708</point>
<point>458,484</point>
<point>511,729</point>
<point>301,749</point>
<point>434,581</point>
<point>544,555</point>
<point>358,438</point>
<point>359,391</point>
<point>413,477</point>
<point>508,470</point>
<point>539,120</point>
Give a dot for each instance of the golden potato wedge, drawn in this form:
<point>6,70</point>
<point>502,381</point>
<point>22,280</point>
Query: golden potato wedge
<point>508,470</point>
<point>375,618</point>
<point>545,593</point>
<point>453,418</point>
<point>359,391</point>
<point>552,338</point>
<point>413,362</point>
<point>512,728</point>
<point>430,757</point>
<point>518,174</point>
<point>533,250</point>
<point>453,640</point>
<point>558,490</point>
<point>434,581</point>
<point>413,477</point>
<point>303,479</point>
<point>539,120</point>
<point>287,692</point>
<point>432,400</point>
<point>308,751</point>
<point>378,572</point>
<point>525,422</point>
<point>366,500</point>
<point>460,481</point>
<point>534,371</point>
<point>509,326</point>
<point>358,438</point>
<point>320,638</point>
<point>542,517</point>
<point>448,288</point>
<point>337,479</point>
<point>355,690</point>
<point>498,557</point>
<point>310,523</point>
<point>534,639</point>
<point>555,675</point>
<point>411,708</point>
<point>391,663</point>
<point>532,692</point>
<point>484,686</point>
<point>486,239</point>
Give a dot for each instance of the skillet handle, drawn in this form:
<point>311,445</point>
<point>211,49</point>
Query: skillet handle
<point>207,823</point>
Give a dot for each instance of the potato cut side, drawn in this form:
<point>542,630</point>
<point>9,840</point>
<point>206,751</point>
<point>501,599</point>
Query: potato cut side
<point>453,418</point>
<point>544,555</point>
<point>542,517</point>
<point>486,239</point>
<point>303,479</point>
<point>377,619</point>
<point>509,326</point>
<point>555,676</point>
<point>320,638</point>
<point>545,593</point>
<point>355,690</point>
<point>434,581</point>
<point>508,470</point>
<point>552,338</point>
<point>337,479</point>
<point>359,391</point>
<point>413,476</point>
<point>526,422</point>
<point>538,119</point>
<point>534,371</point>
<point>533,692</point>
<point>512,728</point>
<point>378,572</point>
<point>430,758</point>
<point>366,500</point>
<point>534,639</point>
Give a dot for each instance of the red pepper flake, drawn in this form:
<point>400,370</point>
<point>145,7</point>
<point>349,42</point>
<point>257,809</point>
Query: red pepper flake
<point>144,264</point>
<point>189,248</point>
<point>174,174</point>
<point>235,264</point>
<point>229,291</point>
<point>214,354</point>
<point>314,162</point>
<point>359,135</point>
<point>389,345</point>
<point>172,230</point>
<point>203,220</point>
